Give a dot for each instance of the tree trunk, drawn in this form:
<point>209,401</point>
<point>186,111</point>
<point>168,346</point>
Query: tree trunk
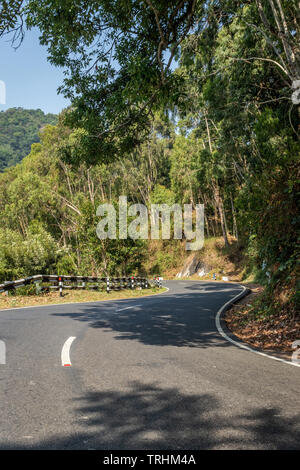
<point>207,226</point>
<point>234,225</point>
<point>224,216</point>
<point>219,206</point>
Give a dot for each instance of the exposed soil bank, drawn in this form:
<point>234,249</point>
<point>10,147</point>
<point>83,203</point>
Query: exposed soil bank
<point>274,333</point>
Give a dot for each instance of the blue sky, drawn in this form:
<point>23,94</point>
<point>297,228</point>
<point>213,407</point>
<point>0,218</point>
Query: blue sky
<point>31,81</point>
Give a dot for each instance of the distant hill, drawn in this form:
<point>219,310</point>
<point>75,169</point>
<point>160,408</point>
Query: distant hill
<point>19,129</point>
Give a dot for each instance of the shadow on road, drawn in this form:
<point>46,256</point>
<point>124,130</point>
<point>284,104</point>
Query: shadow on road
<point>149,417</point>
<point>178,319</point>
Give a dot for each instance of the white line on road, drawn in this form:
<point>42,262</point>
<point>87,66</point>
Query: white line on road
<point>241,345</point>
<point>2,352</point>
<point>126,308</point>
<point>65,353</point>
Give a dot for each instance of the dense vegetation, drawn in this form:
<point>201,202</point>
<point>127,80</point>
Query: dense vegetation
<point>219,128</point>
<point>19,129</point>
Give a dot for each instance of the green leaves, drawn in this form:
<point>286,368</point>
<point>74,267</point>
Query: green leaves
<point>34,254</point>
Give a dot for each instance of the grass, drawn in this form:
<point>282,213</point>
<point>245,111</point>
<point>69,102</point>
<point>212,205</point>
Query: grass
<point>76,296</point>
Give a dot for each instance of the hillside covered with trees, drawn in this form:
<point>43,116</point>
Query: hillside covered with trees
<point>219,125</point>
<point>19,128</point>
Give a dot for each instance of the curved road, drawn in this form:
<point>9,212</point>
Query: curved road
<point>146,373</point>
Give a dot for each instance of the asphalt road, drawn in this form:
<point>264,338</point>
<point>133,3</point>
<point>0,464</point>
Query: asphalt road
<point>146,373</point>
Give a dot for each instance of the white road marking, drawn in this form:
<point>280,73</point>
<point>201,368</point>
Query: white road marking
<point>2,352</point>
<point>126,308</point>
<point>65,353</point>
<point>241,345</point>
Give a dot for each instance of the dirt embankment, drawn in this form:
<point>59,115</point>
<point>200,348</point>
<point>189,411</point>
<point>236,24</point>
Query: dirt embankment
<point>275,333</point>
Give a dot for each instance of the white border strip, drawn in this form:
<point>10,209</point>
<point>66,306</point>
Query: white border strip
<point>65,353</point>
<point>241,345</point>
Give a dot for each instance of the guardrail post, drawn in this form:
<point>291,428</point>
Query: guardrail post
<point>60,283</point>
<point>38,287</point>
<point>107,285</point>
<point>132,283</point>
<point>6,292</point>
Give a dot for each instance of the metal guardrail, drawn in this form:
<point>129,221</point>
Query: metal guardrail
<point>77,282</point>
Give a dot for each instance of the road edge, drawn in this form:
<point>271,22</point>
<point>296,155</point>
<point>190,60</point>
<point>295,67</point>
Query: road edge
<point>82,303</point>
<point>229,336</point>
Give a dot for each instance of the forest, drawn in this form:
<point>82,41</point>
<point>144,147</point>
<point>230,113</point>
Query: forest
<point>19,129</point>
<point>187,102</point>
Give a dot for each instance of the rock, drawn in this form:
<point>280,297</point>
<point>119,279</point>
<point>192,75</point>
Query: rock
<point>190,267</point>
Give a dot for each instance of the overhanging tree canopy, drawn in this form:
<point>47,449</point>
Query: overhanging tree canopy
<point>118,54</point>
